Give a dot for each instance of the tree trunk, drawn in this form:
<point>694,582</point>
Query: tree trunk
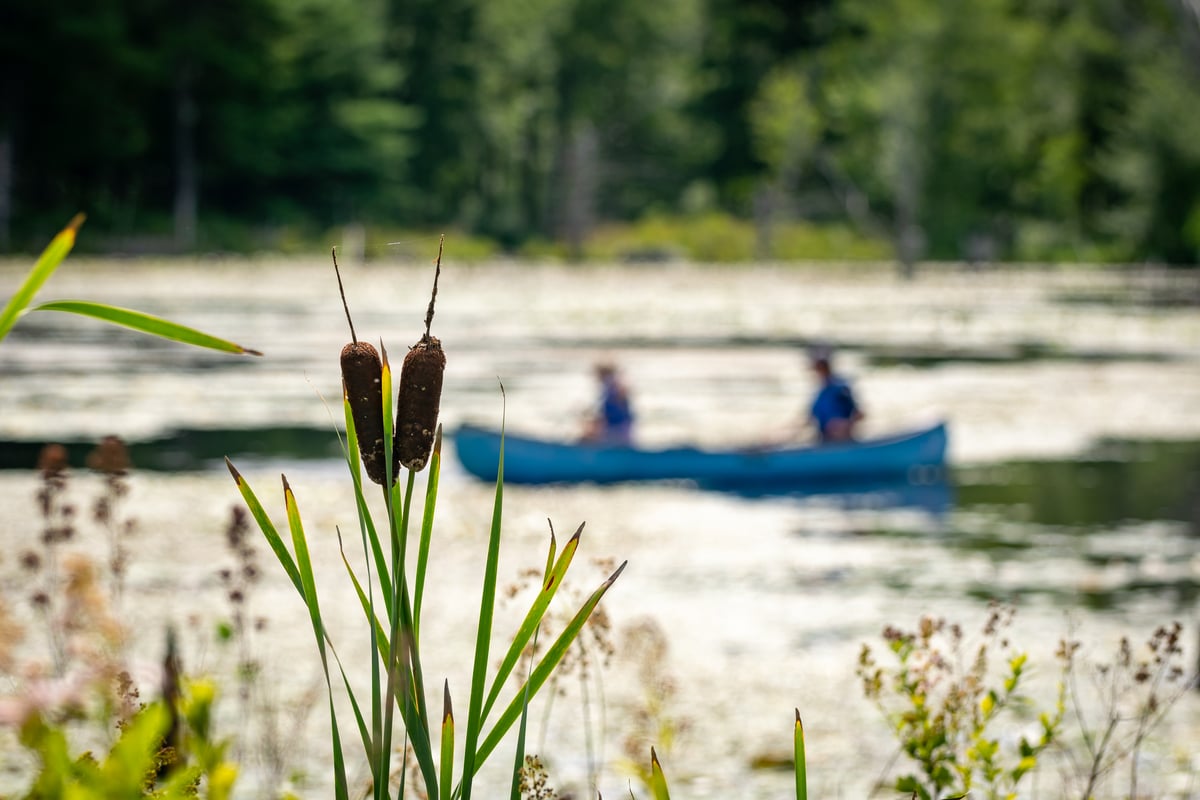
<point>767,199</point>
<point>6,189</point>
<point>8,160</point>
<point>186,180</point>
<point>579,187</point>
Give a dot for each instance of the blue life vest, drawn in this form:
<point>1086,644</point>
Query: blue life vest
<point>834,401</point>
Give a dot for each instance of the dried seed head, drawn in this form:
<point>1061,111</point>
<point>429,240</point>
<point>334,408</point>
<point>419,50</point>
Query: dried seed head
<point>110,456</point>
<point>420,395</point>
<point>52,460</point>
<point>418,403</point>
<point>362,381</point>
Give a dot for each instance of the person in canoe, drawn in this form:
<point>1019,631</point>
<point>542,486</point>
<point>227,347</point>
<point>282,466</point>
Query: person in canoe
<point>834,412</point>
<point>612,421</point>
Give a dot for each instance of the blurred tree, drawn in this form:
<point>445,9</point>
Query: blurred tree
<point>75,79</point>
<point>786,130</point>
<point>518,107</point>
<point>328,141</point>
<point>622,140</point>
<point>582,110</point>
<point>434,43</point>
<point>1153,157</point>
<point>1026,128</point>
<point>744,41</point>
<point>925,111</point>
<point>1040,128</point>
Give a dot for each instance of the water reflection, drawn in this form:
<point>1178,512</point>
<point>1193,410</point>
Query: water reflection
<point>1114,482</point>
<point>932,494</point>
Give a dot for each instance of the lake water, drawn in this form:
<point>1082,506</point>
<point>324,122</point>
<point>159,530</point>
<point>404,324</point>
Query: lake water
<point>1073,399</point>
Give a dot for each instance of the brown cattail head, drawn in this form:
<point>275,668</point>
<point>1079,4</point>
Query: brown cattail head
<point>362,381</point>
<point>420,395</point>
<point>418,403</point>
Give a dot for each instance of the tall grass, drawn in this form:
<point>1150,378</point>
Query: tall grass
<point>390,586</point>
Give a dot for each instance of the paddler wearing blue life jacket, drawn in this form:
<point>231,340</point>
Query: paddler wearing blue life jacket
<point>612,421</point>
<point>834,411</point>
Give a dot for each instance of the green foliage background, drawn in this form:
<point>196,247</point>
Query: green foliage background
<point>1030,129</point>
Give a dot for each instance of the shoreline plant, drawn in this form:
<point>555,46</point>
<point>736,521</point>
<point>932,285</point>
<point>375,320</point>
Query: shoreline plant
<point>961,715</point>
<point>391,596</point>
<point>165,749</point>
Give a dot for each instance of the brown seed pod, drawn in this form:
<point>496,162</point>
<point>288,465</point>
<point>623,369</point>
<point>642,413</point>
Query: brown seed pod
<point>362,382</point>
<point>418,402</point>
<point>420,394</point>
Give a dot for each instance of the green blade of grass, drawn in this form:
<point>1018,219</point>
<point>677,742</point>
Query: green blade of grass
<point>431,490</point>
<point>419,726</point>
<point>289,566</point>
<point>658,781</point>
<point>366,523</point>
<point>550,555</point>
<point>471,760</point>
<point>389,424</point>
<point>801,764</point>
<point>47,262</point>
<point>146,323</point>
<point>267,527</point>
<point>367,599</point>
<point>532,619</point>
<point>447,771</point>
<point>363,732</point>
<point>519,756</point>
<point>378,650</point>
<point>396,647</point>
<point>304,564</point>
<point>403,656</point>
<point>544,669</point>
<point>366,602</point>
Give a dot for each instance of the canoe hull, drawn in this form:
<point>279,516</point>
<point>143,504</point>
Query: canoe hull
<point>528,460</point>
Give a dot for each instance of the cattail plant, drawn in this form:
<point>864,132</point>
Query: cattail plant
<point>362,385</point>
<point>420,393</point>
<point>392,593</point>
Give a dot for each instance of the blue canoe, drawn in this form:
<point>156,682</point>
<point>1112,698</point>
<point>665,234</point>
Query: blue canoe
<point>528,460</point>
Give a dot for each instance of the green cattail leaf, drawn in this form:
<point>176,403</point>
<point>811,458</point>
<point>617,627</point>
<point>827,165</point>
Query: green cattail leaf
<point>447,771</point>
<point>543,670</point>
<point>431,490</point>
<point>533,619</point>
<point>658,781</point>
<point>519,756</point>
<point>389,426</point>
<point>290,567</point>
<point>304,564</point>
<point>49,260</point>
<point>550,555</point>
<point>471,759</point>
<point>138,321</point>
<point>366,522</point>
<point>405,681</point>
<point>268,528</point>
<point>801,761</point>
<point>365,602</point>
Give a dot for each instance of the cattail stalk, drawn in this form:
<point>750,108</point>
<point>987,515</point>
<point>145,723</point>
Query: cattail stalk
<point>362,383</point>
<point>420,394</point>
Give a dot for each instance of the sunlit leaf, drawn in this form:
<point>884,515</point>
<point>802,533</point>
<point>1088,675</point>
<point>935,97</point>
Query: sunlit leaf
<point>49,260</point>
<point>801,762</point>
<point>658,781</point>
<point>146,323</point>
